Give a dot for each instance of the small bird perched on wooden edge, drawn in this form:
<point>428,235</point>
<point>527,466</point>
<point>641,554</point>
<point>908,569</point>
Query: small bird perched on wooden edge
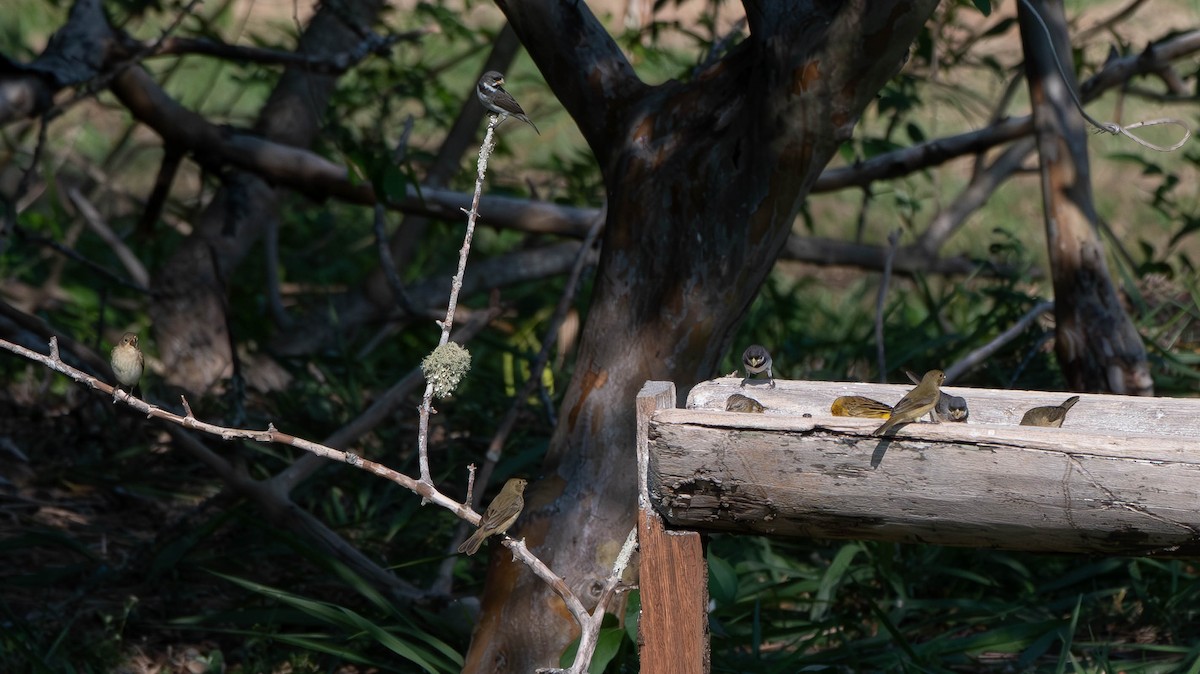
<point>949,407</point>
<point>500,514</point>
<point>1051,416</point>
<point>859,406</point>
<point>917,402</point>
<point>740,403</point>
<point>498,101</point>
<point>756,359</point>
<point>127,362</point>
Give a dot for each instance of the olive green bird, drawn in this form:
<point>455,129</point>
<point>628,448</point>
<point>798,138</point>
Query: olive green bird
<point>1050,415</point>
<point>917,402</point>
<point>500,514</point>
<point>949,407</point>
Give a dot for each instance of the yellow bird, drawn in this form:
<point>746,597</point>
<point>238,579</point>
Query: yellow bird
<point>858,406</point>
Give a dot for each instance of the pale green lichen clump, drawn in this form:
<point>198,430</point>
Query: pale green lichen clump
<point>445,367</point>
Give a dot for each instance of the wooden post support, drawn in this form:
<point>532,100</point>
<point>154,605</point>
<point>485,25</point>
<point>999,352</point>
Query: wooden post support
<point>673,575</point>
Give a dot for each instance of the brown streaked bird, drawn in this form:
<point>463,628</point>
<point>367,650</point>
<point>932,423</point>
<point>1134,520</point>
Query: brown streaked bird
<point>127,361</point>
<point>917,402</point>
<point>498,101</point>
<point>500,514</point>
<point>740,403</point>
<point>949,407</point>
<point>858,406</point>
<point>756,359</point>
<point>1050,415</point>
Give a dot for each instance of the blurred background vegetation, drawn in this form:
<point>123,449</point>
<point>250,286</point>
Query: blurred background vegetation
<point>118,553</point>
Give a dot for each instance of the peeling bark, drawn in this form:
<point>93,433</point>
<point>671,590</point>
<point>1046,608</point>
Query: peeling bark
<point>1098,346</point>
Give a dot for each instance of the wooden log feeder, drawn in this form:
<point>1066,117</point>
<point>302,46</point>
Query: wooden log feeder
<point>1120,477</point>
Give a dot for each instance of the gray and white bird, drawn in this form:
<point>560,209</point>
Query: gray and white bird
<point>756,359</point>
<point>498,101</point>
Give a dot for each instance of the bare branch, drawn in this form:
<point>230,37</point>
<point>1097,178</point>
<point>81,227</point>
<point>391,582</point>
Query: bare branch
<point>881,302</point>
<point>977,356</point>
<point>94,220</point>
<point>335,64</point>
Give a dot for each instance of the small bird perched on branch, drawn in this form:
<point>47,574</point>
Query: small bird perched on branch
<point>1050,415</point>
<point>498,101</point>
<point>127,362</point>
<point>756,359</point>
<point>917,402</point>
<point>500,514</point>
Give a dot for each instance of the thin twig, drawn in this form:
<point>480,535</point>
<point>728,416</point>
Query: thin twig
<point>443,584</point>
<point>485,152</point>
<point>984,352</point>
<point>880,351</point>
<point>271,434</point>
<point>380,411</point>
<point>590,623</point>
<point>1107,127</point>
<point>274,294</point>
<point>96,221</point>
<point>388,263</point>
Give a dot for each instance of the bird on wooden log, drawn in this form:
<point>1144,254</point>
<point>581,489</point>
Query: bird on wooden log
<point>917,402</point>
<point>756,359</point>
<point>858,406</point>
<point>1050,415</point>
<point>949,407</point>
<point>740,403</point>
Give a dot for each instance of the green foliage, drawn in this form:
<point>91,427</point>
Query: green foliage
<point>866,606</point>
<point>335,631</point>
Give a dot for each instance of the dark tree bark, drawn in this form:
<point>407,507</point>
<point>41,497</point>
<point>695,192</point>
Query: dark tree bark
<point>704,179</point>
<point>188,310</point>
<point>1098,346</point>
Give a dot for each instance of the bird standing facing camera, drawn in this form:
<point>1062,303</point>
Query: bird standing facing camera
<point>498,101</point>
<point>756,359</point>
<point>127,362</point>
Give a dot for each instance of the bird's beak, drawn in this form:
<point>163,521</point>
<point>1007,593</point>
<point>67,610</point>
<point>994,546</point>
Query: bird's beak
<point>500,81</point>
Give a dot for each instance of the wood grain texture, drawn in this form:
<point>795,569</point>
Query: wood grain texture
<point>1120,477</point>
<point>673,574</point>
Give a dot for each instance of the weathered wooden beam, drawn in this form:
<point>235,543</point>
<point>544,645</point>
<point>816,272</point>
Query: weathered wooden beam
<point>1122,476</point>
<point>672,574</point>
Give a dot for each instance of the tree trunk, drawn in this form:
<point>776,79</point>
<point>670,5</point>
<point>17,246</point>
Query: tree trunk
<point>1098,346</point>
<point>704,181</point>
<point>188,308</point>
